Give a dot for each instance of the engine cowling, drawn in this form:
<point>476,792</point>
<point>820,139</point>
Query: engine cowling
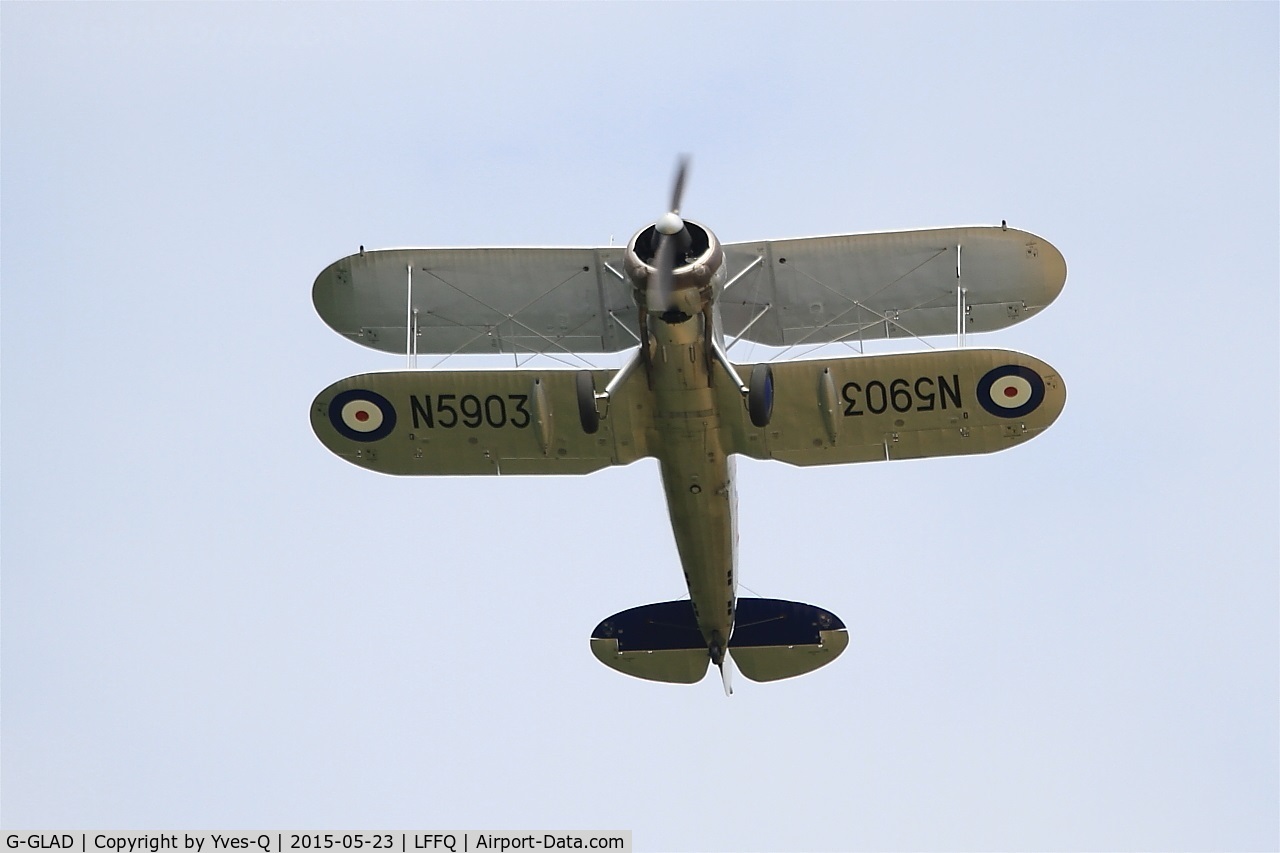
<point>698,264</point>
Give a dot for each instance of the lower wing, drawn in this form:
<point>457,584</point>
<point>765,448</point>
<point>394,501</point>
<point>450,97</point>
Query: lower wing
<point>474,422</point>
<point>906,406</point>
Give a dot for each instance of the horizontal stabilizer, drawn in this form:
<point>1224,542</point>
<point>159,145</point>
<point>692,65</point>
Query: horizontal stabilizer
<point>658,642</point>
<point>772,639</point>
<point>775,639</point>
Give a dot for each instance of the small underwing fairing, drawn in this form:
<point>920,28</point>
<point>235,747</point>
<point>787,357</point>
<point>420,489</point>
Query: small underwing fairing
<point>671,294</point>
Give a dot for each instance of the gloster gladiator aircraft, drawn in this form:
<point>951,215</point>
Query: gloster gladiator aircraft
<point>673,295</point>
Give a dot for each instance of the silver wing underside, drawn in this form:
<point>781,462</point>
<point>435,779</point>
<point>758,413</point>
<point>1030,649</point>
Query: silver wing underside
<point>560,301</point>
<point>501,300</point>
<point>888,285</point>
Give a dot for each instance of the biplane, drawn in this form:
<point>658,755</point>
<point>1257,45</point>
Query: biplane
<point>680,300</point>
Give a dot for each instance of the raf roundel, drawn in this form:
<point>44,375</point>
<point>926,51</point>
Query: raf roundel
<point>362,415</point>
<point>1011,391</point>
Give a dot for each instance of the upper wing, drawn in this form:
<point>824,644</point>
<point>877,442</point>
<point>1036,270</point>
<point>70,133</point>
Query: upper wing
<point>888,285</point>
<point>522,301</point>
<point>558,301</point>
<point>477,422</point>
<point>867,408</point>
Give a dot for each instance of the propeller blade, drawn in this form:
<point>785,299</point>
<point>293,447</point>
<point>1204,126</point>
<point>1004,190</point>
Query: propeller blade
<point>678,189</point>
<point>673,237</point>
<point>661,282</point>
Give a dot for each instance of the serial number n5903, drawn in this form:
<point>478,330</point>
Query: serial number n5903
<point>447,411</point>
<point>924,394</point>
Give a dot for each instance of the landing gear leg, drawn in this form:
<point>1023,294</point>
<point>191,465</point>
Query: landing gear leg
<point>759,395</point>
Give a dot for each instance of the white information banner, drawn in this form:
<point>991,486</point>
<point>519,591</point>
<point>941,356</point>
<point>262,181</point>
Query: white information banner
<point>298,841</point>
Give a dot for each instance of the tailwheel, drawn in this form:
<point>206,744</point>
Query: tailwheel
<point>760,395</point>
<point>587,412</point>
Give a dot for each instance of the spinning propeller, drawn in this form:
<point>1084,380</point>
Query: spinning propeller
<point>673,237</point>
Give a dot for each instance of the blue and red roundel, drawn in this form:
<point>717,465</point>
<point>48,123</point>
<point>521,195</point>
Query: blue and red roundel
<point>1011,391</point>
<point>362,415</point>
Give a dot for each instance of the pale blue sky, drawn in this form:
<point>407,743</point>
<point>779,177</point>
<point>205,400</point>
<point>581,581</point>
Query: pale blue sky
<point>210,622</point>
